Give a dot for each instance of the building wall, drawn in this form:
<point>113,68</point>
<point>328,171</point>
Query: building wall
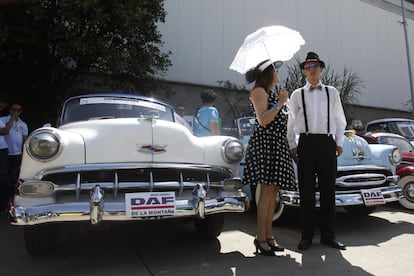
<point>362,35</point>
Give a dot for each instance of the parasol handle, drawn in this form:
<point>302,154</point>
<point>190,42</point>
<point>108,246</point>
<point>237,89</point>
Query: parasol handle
<point>268,54</point>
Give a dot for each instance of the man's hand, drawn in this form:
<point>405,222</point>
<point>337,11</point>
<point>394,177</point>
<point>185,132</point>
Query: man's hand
<point>339,151</point>
<point>294,154</point>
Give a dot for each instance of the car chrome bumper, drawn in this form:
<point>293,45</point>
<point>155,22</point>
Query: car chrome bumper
<point>346,198</point>
<point>98,210</point>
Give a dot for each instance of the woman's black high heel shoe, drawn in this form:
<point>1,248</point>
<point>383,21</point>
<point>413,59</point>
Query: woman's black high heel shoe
<point>261,250</point>
<point>274,247</point>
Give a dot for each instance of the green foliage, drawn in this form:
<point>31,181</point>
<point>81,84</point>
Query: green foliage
<point>53,48</point>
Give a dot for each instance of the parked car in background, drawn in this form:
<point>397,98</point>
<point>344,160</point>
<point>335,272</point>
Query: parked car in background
<point>366,175</point>
<point>405,169</point>
<point>120,157</point>
<point>401,126</point>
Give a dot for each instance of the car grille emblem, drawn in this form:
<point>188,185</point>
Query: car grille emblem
<point>151,149</point>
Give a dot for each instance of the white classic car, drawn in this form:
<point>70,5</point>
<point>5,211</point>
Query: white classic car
<point>366,175</point>
<point>121,157</point>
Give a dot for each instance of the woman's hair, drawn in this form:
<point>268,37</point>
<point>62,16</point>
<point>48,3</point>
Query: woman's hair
<point>262,78</point>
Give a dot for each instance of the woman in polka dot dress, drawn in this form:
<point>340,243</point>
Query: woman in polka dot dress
<point>268,160</point>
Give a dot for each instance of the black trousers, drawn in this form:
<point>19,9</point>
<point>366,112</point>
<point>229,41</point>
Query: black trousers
<point>317,161</point>
<point>13,173</point>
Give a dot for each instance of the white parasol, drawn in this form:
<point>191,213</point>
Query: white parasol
<point>271,42</point>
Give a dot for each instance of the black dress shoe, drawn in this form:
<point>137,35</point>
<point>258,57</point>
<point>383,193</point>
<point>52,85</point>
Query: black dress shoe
<point>304,244</point>
<point>334,243</point>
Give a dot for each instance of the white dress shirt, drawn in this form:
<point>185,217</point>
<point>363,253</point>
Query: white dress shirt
<point>317,114</point>
<point>15,138</point>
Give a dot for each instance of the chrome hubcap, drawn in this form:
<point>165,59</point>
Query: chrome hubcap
<point>409,192</point>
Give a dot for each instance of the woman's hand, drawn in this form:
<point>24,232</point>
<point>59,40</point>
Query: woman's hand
<point>283,96</point>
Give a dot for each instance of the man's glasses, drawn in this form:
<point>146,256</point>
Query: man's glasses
<point>311,66</point>
<point>16,109</point>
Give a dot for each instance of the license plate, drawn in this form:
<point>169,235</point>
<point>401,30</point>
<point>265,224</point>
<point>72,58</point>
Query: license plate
<point>152,204</point>
<point>372,197</point>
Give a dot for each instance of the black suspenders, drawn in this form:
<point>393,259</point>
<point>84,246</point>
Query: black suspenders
<point>304,110</point>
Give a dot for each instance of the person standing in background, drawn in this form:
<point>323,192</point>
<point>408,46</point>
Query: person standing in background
<point>206,119</point>
<point>15,138</point>
<point>180,111</point>
<point>4,164</point>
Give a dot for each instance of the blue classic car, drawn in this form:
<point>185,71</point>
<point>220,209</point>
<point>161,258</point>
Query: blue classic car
<point>121,157</point>
<point>366,174</point>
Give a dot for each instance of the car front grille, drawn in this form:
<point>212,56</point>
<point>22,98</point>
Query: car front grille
<point>362,177</point>
<point>133,178</point>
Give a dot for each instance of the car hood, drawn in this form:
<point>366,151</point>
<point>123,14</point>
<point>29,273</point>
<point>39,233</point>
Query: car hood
<point>137,140</point>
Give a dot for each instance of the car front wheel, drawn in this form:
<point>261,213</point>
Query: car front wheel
<point>41,239</point>
<point>407,185</point>
<point>211,226</point>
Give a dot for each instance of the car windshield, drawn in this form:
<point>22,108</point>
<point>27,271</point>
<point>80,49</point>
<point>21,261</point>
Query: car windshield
<point>92,108</point>
<point>246,126</point>
<point>400,143</point>
<point>405,129</point>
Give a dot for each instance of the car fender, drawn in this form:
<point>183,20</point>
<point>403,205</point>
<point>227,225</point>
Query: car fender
<point>405,170</point>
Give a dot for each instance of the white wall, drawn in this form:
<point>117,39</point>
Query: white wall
<point>204,36</point>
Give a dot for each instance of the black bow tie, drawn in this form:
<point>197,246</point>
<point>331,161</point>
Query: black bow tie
<point>313,87</point>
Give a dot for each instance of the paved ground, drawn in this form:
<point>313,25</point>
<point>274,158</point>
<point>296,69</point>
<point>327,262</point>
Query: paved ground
<point>380,244</point>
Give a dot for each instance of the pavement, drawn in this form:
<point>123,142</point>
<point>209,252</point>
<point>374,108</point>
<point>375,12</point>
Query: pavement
<point>378,244</point>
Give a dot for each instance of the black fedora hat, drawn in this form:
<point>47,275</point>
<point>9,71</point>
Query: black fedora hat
<point>311,56</point>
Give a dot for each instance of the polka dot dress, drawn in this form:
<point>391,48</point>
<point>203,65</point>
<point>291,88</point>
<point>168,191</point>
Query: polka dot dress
<point>268,159</point>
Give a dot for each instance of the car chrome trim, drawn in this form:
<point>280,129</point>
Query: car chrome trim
<point>96,204</point>
<point>358,180</point>
<point>120,166</point>
<point>115,211</point>
<point>345,198</point>
<point>362,167</point>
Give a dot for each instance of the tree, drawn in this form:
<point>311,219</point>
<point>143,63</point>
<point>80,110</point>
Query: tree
<point>51,49</point>
<point>236,99</point>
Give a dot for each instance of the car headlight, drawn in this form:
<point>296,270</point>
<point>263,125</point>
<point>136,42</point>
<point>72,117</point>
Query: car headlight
<point>43,146</point>
<point>233,150</point>
<point>395,156</point>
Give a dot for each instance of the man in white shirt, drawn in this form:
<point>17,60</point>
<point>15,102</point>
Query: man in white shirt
<point>4,164</point>
<point>15,138</point>
<point>316,114</point>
